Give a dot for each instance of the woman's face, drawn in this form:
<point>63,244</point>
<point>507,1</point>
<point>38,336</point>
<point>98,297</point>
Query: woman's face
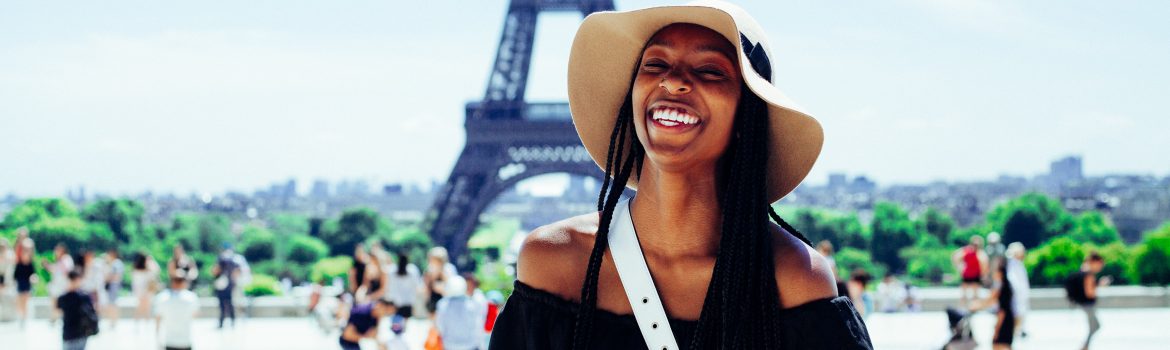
<point>684,96</point>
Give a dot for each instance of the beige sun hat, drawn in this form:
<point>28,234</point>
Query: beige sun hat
<point>609,45</point>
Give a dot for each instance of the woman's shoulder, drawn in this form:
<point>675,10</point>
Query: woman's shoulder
<point>802,274</point>
<point>552,257</point>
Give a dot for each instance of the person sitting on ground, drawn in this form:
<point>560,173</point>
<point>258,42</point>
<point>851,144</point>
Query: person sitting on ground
<point>363,323</point>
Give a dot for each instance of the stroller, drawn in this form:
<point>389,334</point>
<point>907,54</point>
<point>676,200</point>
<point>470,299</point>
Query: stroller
<point>961,336</point>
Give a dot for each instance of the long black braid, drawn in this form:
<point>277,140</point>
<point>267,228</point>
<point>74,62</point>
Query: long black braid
<point>740,309</point>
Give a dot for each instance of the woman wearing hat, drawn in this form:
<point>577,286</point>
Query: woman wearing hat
<point>676,102</point>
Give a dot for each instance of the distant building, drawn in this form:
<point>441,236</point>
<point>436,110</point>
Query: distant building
<point>1066,170</point>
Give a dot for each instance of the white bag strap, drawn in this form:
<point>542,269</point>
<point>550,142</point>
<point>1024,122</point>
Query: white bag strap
<point>639,285</point>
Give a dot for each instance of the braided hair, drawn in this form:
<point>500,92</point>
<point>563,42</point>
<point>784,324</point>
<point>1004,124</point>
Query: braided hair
<point>741,305</point>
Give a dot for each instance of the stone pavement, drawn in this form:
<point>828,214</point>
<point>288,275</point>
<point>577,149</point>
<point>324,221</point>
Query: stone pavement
<point>1048,329</point>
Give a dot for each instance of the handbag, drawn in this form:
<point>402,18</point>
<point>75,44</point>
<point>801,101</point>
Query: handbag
<point>639,285</point>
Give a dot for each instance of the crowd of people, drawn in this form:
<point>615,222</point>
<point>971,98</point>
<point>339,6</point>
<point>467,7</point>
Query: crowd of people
<point>387,288</point>
<point>82,292</point>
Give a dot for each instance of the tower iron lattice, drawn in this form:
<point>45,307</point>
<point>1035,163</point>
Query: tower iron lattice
<point>508,138</point>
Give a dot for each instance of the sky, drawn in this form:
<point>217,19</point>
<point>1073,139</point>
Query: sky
<point>128,96</point>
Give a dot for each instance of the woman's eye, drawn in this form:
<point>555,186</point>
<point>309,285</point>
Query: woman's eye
<point>655,66</point>
<point>712,74</point>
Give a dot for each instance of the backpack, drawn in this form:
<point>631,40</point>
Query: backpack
<point>89,319</point>
<point>1075,287</point>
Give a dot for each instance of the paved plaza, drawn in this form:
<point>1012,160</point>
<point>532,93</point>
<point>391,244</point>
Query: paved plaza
<point>1048,329</point>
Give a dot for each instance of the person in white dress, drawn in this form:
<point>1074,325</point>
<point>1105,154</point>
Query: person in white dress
<point>143,281</point>
<point>58,277</point>
<point>1017,273</point>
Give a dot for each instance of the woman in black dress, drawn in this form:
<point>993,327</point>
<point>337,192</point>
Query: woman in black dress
<point>709,143</point>
<point>1004,297</point>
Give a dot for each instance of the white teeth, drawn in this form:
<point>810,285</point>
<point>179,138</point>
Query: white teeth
<point>672,117</point>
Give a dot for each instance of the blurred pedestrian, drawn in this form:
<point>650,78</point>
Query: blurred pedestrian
<point>7,267</point>
<point>115,272</point>
<point>1082,288</point>
<point>182,264</point>
<point>227,274</point>
<point>971,262</point>
<point>1017,273</point>
<point>376,279</point>
<point>995,254</point>
<point>24,274</point>
<point>439,270</point>
<point>891,294</point>
<point>857,285</point>
<point>174,311</point>
<point>1002,297</point>
<point>94,278</point>
<point>826,249</point>
<point>459,318</point>
<point>405,281</point>
<point>80,320</point>
<point>357,273</point>
<point>143,285</point>
<point>58,277</point>
<point>363,323</point>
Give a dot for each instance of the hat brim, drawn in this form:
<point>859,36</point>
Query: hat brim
<point>607,48</point>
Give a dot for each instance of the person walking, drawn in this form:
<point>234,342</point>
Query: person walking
<point>182,264</point>
<point>7,267</point>
<point>94,284</point>
<point>995,254</point>
<point>1083,287</point>
<point>376,279</point>
<point>24,274</point>
<point>227,274</point>
<point>971,262</point>
<point>143,284</point>
<point>405,281</point>
<point>1017,273</point>
<point>435,279</point>
<point>1003,298</point>
<point>115,272</point>
<point>58,277</point>
<point>79,317</point>
<point>459,318</point>
<point>357,272</point>
<point>174,311</point>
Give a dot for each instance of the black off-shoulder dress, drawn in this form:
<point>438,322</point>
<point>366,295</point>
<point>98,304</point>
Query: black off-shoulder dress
<point>535,319</point>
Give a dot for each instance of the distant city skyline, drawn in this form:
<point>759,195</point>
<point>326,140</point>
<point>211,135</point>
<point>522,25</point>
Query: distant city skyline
<point>219,95</point>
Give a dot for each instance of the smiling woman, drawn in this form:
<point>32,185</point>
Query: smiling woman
<point>692,261</point>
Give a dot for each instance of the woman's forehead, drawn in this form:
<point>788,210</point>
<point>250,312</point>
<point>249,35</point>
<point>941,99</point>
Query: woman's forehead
<point>693,37</point>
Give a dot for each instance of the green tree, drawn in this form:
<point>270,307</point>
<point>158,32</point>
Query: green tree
<point>840,230</point>
<point>928,260</point>
<point>306,250</point>
<point>1093,227</point>
<point>936,223</point>
<point>258,244</point>
<point>327,269</point>
<point>1053,262</point>
<point>124,217</point>
<point>851,259</point>
<point>354,226</point>
<point>1030,219</point>
<point>1151,264</point>
<point>37,209</point>
<point>1118,259</point>
<point>892,231</point>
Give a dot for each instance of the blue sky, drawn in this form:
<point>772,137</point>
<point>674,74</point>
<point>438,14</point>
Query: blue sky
<point>215,95</point>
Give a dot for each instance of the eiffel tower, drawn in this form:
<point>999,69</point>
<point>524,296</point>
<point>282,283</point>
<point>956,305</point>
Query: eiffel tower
<point>508,138</point>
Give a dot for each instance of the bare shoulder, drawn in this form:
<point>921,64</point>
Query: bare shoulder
<point>802,273</point>
<point>553,256</point>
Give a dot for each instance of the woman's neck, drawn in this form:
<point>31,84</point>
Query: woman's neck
<point>677,215</point>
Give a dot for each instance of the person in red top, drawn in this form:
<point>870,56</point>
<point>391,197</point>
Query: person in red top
<point>971,262</point>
